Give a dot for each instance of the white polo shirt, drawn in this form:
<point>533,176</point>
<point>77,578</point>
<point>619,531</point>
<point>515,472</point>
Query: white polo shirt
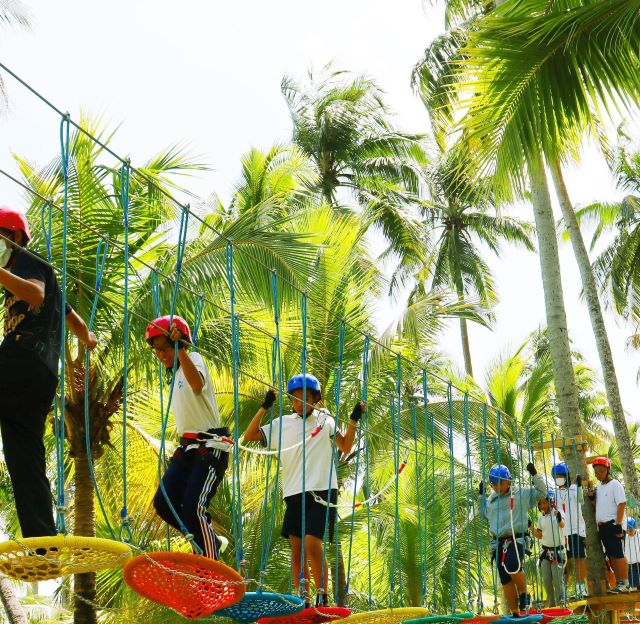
<point>552,534</point>
<point>632,548</point>
<point>191,411</point>
<point>567,503</point>
<point>288,431</point>
<point>608,496</point>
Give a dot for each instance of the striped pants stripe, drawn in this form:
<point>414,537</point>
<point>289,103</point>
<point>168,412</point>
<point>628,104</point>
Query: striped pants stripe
<point>190,482</point>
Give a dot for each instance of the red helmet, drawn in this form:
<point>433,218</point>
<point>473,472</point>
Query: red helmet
<point>162,326</point>
<point>11,219</point>
<point>602,461</point>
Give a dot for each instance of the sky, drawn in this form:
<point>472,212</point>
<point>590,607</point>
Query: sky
<point>208,74</point>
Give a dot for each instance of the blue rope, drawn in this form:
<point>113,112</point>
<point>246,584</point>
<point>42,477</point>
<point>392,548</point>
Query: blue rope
<point>434,562</point>
<point>469,497</point>
<point>59,429</point>
<point>46,228</point>
<point>452,502</point>
<point>182,238</point>
<point>396,457</point>
<point>336,397</point>
<point>126,534</point>
<point>277,379</point>
<point>301,577</point>
<point>101,259</point>
<point>365,398</point>
<point>162,459</point>
<point>423,566</point>
<point>197,319</point>
<point>235,362</point>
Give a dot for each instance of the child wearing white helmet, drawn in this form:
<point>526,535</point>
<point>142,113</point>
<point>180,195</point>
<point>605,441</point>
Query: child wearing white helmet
<point>199,463</point>
<point>569,499</point>
<point>29,359</point>
<point>632,553</point>
<point>552,559</point>
<point>506,509</point>
<point>611,502</point>
<point>286,434</point>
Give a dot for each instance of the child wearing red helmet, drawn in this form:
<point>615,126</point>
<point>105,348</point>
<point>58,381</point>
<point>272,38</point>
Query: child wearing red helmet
<point>285,434</point>
<point>611,502</point>
<point>200,461</point>
<point>29,358</point>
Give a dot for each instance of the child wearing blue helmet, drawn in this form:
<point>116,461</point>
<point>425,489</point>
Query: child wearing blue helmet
<point>632,553</point>
<point>569,499</point>
<point>318,428</point>
<point>507,511</point>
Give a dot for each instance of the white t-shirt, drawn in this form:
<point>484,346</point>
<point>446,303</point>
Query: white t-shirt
<point>608,496</point>
<point>552,534</point>
<point>567,503</point>
<point>317,451</point>
<point>194,412</point>
<point>632,548</point>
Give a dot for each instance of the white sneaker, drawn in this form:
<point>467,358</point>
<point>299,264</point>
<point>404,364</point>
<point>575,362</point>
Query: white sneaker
<point>222,543</point>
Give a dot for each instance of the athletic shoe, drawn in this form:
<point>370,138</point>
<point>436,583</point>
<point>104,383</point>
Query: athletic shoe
<point>222,543</point>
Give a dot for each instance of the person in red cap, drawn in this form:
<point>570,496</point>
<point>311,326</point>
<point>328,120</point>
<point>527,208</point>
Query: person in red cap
<point>199,463</point>
<point>29,358</point>
<point>611,503</point>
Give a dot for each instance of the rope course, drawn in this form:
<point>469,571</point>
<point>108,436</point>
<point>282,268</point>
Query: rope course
<point>429,523</point>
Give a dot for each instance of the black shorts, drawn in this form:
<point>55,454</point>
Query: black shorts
<point>613,546</point>
<point>506,561</point>
<point>315,515</point>
<point>575,547</point>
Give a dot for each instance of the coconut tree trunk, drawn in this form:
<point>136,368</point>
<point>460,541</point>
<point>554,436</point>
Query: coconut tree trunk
<point>12,607</point>
<point>559,348</point>
<point>612,389</point>
<point>464,336</point>
<point>84,584</point>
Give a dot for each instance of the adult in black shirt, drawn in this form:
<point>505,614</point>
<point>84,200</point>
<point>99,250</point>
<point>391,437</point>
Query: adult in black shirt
<point>29,357</point>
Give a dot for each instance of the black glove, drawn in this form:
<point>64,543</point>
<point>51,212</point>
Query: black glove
<point>269,399</point>
<point>559,517</point>
<point>356,415</point>
<point>481,488</point>
<point>578,481</point>
<point>617,528</point>
<point>531,469</point>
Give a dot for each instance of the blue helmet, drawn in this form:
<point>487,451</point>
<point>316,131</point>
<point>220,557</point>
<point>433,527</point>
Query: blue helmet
<point>499,473</point>
<point>560,470</point>
<point>297,382</point>
<point>631,523</point>
<point>551,497</point>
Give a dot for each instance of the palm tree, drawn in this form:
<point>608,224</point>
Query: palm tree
<point>457,217</point>
<point>341,123</point>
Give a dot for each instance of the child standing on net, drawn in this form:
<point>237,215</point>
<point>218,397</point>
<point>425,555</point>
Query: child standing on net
<point>199,463</point>
<point>320,429</point>
<point>611,503</point>
<point>569,499</point>
<point>632,553</point>
<point>552,558</point>
<point>506,510</point>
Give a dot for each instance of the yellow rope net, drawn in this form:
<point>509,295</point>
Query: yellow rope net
<point>386,616</point>
<point>35,559</point>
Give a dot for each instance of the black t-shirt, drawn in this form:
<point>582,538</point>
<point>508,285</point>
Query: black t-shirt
<point>29,330</point>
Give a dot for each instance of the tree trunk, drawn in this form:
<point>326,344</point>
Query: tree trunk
<point>84,584</point>
<point>341,582</point>
<point>464,335</point>
<point>599,331</point>
<point>12,607</point>
<point>560,351</point>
